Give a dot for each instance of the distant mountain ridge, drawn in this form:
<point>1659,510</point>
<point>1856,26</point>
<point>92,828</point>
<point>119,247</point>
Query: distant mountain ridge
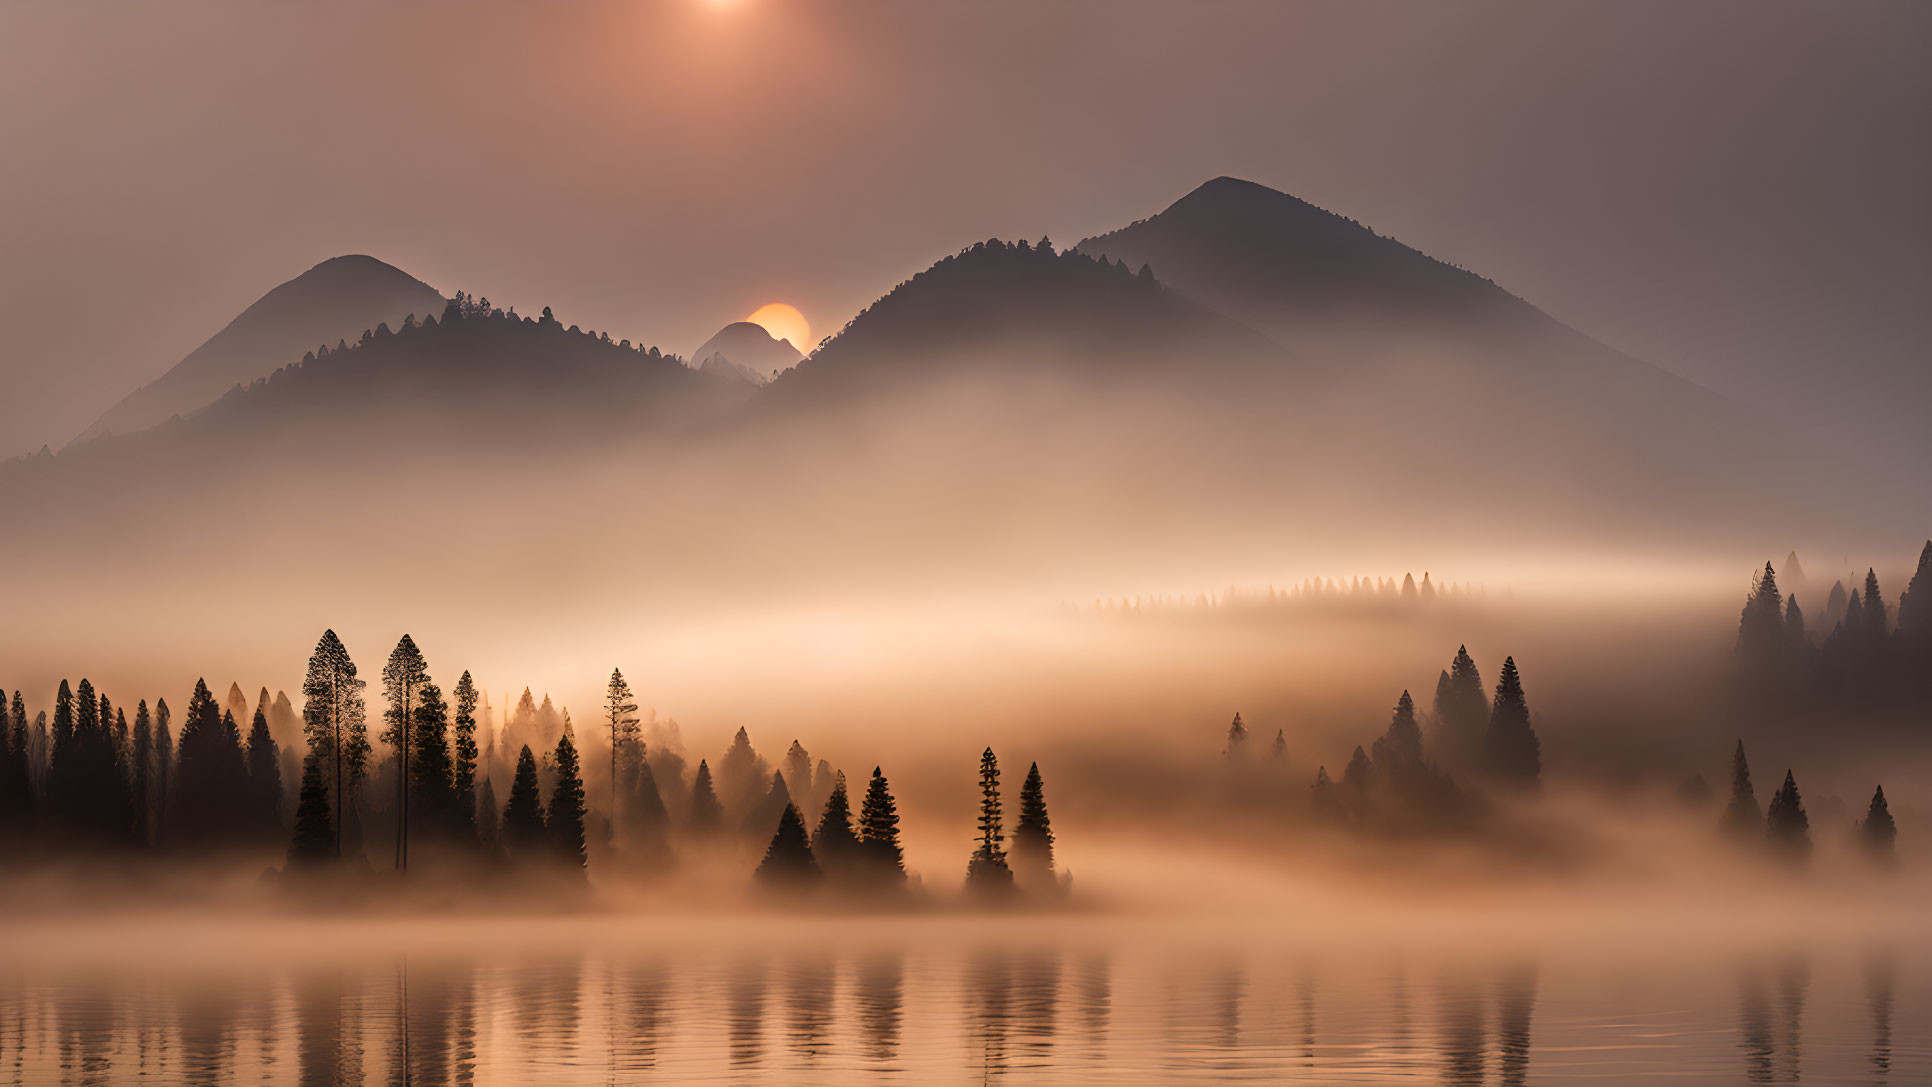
<point>336,300</point>
<point>747,349</point>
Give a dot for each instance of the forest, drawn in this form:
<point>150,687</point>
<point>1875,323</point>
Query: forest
<point>87,781</point>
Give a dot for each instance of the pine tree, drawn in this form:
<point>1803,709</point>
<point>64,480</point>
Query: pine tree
<point>1356,783</point>
<point>788,859</point>
<point>164,767</point>
<point>648,819</point>
<point>1915,607</point>
<point>1877,833</point>
<point>741,773</point>
<point>1743,819</point>
<point>1278,751</point>
<point>1237,748</point>
<point>1873,610</point>
<point>833,842</point>
<point>620,712</point>
<point>1462,712</point>
<point>798,772</point>
<point>707,815</point>
<point>764,815</point>
<point>403,679</point>
<point>211,795</point>
<point>987,873</point>
<point>1398,753</point>
<point>1033,835</point>
<point>1786,826</point>
<point>885,861</point>
<point>333,720</point>
<point>566,816</point>
<point>1511,750</point>
<point>1324,803</point>
<point>432,772</point>
<point>143,781</point>
<point>523,829</point>
<point>264,779</point>
<point>1760,628</point>
<point>314,841</point>
<point>464,773</point>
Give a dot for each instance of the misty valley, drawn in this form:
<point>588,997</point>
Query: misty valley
<point>1234,647</point>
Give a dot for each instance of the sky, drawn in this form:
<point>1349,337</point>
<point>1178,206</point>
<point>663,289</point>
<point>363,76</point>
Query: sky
<point>1732,190</point>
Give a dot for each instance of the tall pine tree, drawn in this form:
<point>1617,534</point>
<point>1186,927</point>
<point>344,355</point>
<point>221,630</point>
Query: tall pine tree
<point>523,829</point>
<point>1786,825</point>
<point>1511,751</point>
<point>987,873</point>
<point>464,772</point>
<point>403,680</point>
<point>565,819</point>
<point>1743,819</point>
<point>833,842</point>
<point>620,712</point>
<point>885,861</point>
<point>211,794</point>
<point>314,842</point>
<point>264,780</point>
<point>1033,836</point>
<point>432,772</point>
<point>789,863</point>
<point>333,721</point>
<point>707,815</point>
<point>1877,833</point>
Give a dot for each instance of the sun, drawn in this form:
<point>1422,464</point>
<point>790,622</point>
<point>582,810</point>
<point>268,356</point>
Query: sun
<point>785,323</point>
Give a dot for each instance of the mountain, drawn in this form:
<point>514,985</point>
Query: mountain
<point>336,300</point>
<point>746,349</point>
<point>1011,309</point>
<point>1293,270</point>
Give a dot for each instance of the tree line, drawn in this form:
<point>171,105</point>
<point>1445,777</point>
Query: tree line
<point>1406,780</point>
<point>1783,828</point>
<point>1858,653</point>
<point>90,780</point>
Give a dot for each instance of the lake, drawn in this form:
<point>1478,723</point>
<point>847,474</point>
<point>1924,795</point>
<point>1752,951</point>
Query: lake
<point>599,1000</point>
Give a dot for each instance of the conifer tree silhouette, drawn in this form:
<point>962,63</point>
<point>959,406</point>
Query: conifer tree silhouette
<point>1510,748</point>
<point>333,721</point>
<point>879,833</point>
<point>1033,835</point>
<point>264,779</point>
<point>463,774</point>
<point>432,772</point>
<point>1237,748</point>
<point>788,859</point>
<point>143,780</point>
<point>403,679</point>
<point>1786,825</point>
<point>211,792</point>
<point>1324,802</point>
<point>523,829</point>
<point>1743,819</point>
<point>765,813</point>
<point>1877,833</point>
<point>620,714</point>
<point>987,873</point>
<point>833,842</point>
<point>566,816</point>
<point>314,841</point>
<point>707,815</point>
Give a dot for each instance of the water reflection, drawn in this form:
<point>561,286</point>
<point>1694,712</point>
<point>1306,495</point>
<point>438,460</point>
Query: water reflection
<point>1079,1014</point>
<point>1771,1004</point>
<point>1880,984</point>
<point>881,995</point>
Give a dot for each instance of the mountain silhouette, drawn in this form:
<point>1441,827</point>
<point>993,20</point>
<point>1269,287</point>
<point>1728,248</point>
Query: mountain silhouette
<point>1289,268</point>
<point>335,300</point>
<point>1014,307</point>
<point>747,350</point>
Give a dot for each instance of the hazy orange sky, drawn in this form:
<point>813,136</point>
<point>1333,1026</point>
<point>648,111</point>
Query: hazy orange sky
<point>1732,190</point>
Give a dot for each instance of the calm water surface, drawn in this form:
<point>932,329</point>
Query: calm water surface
<point>1065,1002</point>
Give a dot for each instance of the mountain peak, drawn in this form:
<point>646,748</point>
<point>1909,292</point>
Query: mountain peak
<point>749,350</point>
<point>335,300</point>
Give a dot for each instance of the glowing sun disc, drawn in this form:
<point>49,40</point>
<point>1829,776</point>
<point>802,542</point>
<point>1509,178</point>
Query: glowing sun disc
<point>785,323</point>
